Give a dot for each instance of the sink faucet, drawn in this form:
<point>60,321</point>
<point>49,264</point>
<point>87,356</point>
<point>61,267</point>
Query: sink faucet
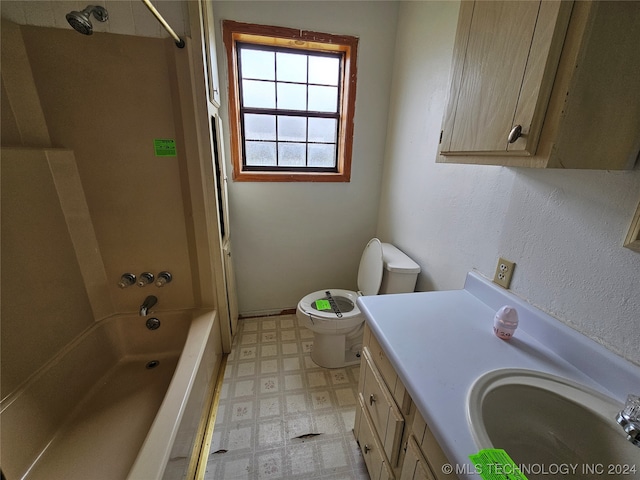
<point>629,419</point>
<point>149,302</point>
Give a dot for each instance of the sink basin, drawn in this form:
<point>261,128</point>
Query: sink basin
<point>543,421</point>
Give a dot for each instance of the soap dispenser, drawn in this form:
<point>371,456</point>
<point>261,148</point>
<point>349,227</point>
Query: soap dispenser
<point>505,322</point>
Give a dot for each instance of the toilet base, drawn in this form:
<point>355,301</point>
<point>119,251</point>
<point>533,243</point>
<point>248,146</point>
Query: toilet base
<point>334,351</point>
<point>351,358</point>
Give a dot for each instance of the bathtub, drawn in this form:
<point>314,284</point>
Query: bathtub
<point>120,402</point>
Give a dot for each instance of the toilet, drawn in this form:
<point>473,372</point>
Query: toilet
<point>333,315</point>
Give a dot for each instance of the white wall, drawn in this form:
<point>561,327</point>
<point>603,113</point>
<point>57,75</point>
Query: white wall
<point>290,239</point>
<point>564,229</point>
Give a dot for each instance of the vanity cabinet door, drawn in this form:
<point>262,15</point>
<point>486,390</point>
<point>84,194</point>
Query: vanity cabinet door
<point>505,59</point>
<point>386,370</point>
<point>372,451</point>
<point>429,448</point>
<point>415,467</point>
<point>386,417</point>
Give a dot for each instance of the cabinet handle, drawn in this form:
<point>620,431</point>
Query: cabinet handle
<point>367,448</point>
<point>515,133</point>
<point>372,399</point>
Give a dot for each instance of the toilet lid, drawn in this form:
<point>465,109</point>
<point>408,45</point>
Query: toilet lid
<point>370,270</point>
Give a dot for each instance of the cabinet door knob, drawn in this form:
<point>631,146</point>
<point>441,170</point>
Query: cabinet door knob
<point>372,399</point>
<point>515,133</point>
<point>367,448</point>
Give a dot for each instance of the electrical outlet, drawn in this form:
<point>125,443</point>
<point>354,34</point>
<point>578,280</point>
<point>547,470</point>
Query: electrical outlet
<point>504,272</point>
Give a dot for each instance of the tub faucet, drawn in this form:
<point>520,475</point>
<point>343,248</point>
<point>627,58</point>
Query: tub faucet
<point>629,419</point>
<point>149,302</point>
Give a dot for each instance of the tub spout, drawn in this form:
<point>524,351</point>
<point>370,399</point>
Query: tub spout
<point>149,302</point>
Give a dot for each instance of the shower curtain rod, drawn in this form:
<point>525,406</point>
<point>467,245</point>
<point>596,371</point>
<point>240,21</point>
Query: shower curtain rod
<point>156,13</point>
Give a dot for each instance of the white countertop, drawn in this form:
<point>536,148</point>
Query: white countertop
<point>441,342</point>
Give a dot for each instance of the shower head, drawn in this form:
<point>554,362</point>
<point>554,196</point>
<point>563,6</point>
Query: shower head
<point>81,21</point>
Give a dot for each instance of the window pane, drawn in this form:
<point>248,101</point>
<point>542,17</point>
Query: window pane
<point>324,70</point>
<point>291,67</point>
<point>258,94</point>
<point>292,128</point>
<point>259,127</point>
<point>260,153</point>
<point>322,155</point>
<point>322,129</point>
<point>291,154</point>
<point>292,97</point>
<point>257,64</point>
<point>323,99</point>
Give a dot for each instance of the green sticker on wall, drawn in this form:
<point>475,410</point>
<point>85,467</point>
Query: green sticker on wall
<point>323,305</point>
<point>164,147</point>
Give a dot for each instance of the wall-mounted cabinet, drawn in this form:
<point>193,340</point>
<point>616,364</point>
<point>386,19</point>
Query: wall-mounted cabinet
<point>545,84</point>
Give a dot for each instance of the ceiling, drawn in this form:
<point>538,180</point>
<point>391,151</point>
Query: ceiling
<point>129,17</point>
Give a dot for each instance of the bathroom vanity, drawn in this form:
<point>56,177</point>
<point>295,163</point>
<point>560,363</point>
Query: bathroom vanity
<point>426,353</point>
<point>392,435</point>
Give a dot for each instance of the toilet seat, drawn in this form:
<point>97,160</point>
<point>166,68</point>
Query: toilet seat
<point>328,321</point>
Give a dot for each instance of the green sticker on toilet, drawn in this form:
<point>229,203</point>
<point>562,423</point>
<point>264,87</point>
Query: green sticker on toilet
<point>323,305</point>
<point>496,464</point>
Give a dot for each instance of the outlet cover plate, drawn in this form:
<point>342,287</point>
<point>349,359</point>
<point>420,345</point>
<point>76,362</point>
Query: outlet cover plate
<point>504,272</point>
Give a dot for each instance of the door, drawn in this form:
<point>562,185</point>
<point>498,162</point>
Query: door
<point>223,215</point>
<point>230,280</point>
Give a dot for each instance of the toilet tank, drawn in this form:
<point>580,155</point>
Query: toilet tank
<point>400,272</point>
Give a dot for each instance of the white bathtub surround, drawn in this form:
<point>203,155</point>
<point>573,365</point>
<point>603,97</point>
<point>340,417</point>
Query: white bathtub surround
<point>274,400</point>
<point>452,344</point>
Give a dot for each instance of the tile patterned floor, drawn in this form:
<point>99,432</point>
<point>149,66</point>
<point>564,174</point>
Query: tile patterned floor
<point>273,396</point>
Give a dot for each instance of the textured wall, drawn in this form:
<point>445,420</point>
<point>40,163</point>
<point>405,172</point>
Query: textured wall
<point>290,239</point>
<point>564,229</point>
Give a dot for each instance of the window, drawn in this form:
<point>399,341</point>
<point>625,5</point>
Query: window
<point>291,103</point>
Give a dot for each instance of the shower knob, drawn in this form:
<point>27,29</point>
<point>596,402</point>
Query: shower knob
<point>126,280</point>
<point>163,278</point>
<point>145,279</point>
